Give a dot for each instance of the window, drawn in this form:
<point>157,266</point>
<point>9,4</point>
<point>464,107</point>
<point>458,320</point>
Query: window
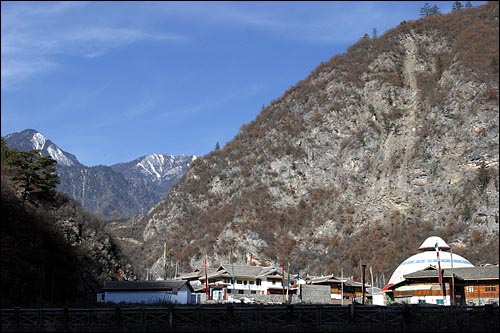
<point>238,281</point>
<point>421,301</point>
<point>245,282</point>
<point>440,302</point>
<point>491,288</point>
<point>469,289</point>
<point>258,282</point>
<point>251,282</point>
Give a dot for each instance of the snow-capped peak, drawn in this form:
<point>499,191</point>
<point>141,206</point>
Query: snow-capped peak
<point>160,165</point>
<point>38,141</point>
<point>58,155</point>
<point>152,164</point>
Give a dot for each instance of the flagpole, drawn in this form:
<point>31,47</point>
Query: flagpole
<point>232,269</point>
<point>371,274</point>
<point>283,280</point>
<point>342,285</point>
<point>452,278</point>
<point>288,283</point>
<point>440,275</point>
<point>206,278</point>
<point>164,260</point>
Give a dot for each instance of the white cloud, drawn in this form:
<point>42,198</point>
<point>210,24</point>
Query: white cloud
<point>143,107</point>
<point>34,33</point>
<point>16,70</point>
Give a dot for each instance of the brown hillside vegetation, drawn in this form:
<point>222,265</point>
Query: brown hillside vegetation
<point>376,150</point>
<point>53,253</point>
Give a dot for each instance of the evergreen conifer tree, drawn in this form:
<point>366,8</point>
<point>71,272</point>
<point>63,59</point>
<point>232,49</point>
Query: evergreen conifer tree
<point>425,10</point>
<point>457,5</point>
<point>34,175</point>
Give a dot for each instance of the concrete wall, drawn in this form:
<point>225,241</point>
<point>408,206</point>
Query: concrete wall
<point>316,294</point>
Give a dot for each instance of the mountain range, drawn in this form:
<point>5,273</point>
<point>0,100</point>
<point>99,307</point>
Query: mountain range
<point>118,191</point>
<point>377,149</point>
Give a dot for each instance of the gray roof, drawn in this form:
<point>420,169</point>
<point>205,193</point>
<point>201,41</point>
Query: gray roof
<point>240,271</point>
<point>191,275</point>
<point>146,285</point>
<point>243,271</point>
<point>330,279</point>
<point>463,273</point>
<point>248,271</point>
<point>324,279</point>
<point>198,273</point>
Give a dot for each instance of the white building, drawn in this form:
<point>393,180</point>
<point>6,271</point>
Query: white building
<point>428,257</point>
<point>148,292</point>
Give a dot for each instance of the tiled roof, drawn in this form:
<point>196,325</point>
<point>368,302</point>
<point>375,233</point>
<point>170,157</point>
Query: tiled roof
<point>239,271</point>
<point>332,279</point>
<point>475,273</point>
<point>463,273</point>
<point>324,279</point>
<point>191,275</point>
<point>248,271</point>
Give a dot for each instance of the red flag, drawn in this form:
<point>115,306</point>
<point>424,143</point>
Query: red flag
<point>206,276</point>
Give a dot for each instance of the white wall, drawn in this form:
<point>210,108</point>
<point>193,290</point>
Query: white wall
<point>148,297</point>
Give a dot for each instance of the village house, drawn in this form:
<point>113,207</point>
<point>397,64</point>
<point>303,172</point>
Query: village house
<point>342,290</point>
<point>236,280</point>
<point>267,284</point>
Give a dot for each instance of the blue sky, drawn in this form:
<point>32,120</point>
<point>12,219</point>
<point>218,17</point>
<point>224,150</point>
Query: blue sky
<point>112,81</point>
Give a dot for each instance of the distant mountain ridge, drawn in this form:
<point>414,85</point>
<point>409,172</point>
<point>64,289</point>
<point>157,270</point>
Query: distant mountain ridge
<point>118,191</point>
<point>156,168</point>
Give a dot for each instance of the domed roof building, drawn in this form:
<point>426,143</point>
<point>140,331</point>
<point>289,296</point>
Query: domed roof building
<point>428,257</point>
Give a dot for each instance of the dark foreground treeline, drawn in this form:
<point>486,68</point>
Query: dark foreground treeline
<point>53,252</point>
<point>255,318</point>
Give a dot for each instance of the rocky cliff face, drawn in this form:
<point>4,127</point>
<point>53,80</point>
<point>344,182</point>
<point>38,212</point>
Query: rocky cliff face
<point>377,149</point>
